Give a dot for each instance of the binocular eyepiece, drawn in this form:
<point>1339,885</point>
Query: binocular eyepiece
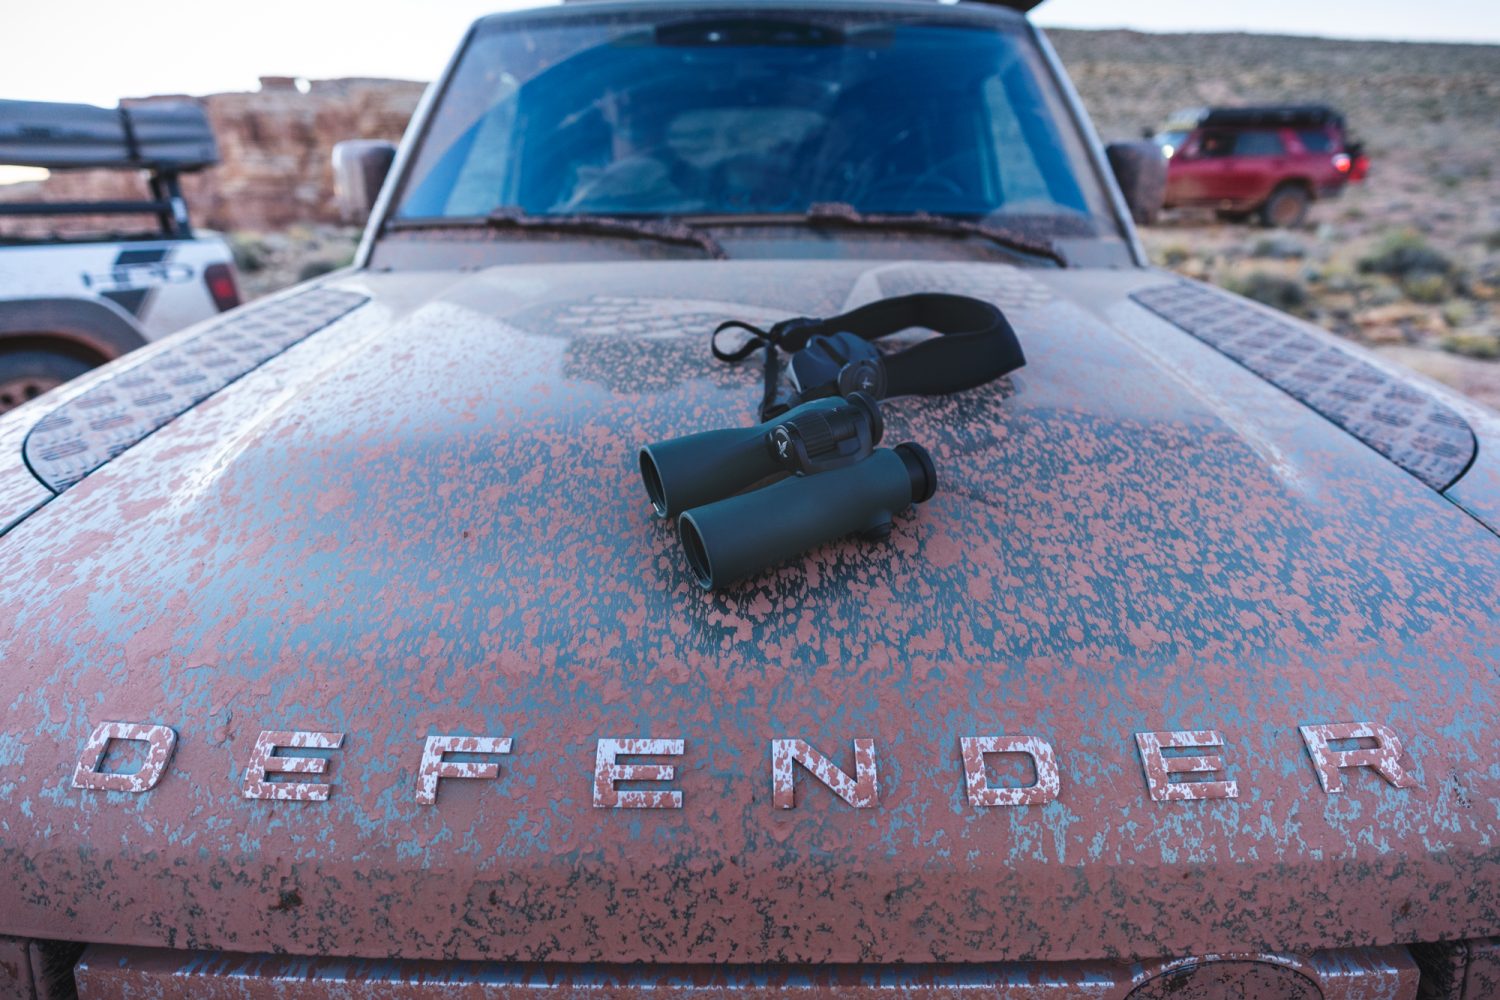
<point>835,482</point>
<point>815,437</point>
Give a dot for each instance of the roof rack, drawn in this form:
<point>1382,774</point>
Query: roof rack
<point>1017,5</point>
<point>1266,114</point>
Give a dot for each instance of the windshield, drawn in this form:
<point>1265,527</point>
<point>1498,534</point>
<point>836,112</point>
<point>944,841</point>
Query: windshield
<point>753,112</point>
<point>1171,140</point>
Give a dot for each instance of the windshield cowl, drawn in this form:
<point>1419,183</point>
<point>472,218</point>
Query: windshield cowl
<point>694,231</point>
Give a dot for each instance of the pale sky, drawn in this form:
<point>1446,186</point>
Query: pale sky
<point>100,50</point>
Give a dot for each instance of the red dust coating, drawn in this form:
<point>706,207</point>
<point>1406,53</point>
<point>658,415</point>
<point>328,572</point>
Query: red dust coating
<point>607,772</point>
<point>976,777</point>
<point>860,791</point>
<point>1159,768</point>
<point>1384,758</point>
<point>263,760</point>
<point>434,766</point>
<point>1134,534</point>
<point>160,742</point>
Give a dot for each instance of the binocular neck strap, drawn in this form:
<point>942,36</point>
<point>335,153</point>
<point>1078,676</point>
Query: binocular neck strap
<point>770,405</point>
<point>977,345</point>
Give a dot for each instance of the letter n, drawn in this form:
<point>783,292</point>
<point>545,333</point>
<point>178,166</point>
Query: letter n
<point>861,791</point>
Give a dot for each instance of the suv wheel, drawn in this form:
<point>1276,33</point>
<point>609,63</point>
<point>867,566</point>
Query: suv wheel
<point>27,372</point>
<point>1286,208</point>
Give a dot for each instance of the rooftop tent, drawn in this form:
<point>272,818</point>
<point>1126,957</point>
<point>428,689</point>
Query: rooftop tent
<point>164,135</point>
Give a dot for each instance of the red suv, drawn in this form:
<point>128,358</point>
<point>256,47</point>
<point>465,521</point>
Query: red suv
<point>1268,161</point>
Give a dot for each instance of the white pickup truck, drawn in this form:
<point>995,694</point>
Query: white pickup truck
<point>72,300</point>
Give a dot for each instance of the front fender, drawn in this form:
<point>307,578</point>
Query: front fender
<point>1478,489</point>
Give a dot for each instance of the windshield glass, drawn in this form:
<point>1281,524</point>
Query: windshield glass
<point>1171,140</point>
<point>754,111</point>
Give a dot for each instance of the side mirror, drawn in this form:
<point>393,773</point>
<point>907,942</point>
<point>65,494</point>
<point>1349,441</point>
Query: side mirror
<point>359,168</point>
<point>1141,170</point>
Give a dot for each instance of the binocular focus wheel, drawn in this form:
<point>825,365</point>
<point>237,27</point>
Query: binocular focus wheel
<point>862,376</point>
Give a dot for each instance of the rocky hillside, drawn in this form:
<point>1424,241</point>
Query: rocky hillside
<point>276,145</point>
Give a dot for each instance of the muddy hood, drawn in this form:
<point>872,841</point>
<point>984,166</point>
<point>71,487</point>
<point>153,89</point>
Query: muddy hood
<point>425,521</point>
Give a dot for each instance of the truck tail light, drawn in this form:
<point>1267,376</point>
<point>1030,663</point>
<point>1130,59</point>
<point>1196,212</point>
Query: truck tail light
<point>1342,163</point>
<point>221,286</point>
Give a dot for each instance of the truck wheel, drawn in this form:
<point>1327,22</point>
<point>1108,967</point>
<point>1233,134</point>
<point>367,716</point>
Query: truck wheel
<point>1286,208</point>
<point>27,372</point>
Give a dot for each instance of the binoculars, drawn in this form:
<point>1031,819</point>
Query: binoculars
<point>831,480</point>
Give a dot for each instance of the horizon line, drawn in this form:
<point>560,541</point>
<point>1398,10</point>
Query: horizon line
<point>1493,42</point>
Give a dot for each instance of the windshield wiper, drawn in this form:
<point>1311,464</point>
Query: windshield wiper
<point>838,213</point>
<point>659,229</point>
<point>665,229</point>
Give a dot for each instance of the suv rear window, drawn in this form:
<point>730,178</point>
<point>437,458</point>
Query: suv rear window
<point>754,111</point>
<point>1258,144</point>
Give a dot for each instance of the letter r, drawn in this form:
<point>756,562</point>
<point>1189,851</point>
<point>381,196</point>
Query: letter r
<point>1384,758</point>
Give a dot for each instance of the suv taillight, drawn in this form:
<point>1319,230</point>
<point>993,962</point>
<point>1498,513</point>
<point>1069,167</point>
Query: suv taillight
<point>1342,163</point>
<point>221,286</point>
